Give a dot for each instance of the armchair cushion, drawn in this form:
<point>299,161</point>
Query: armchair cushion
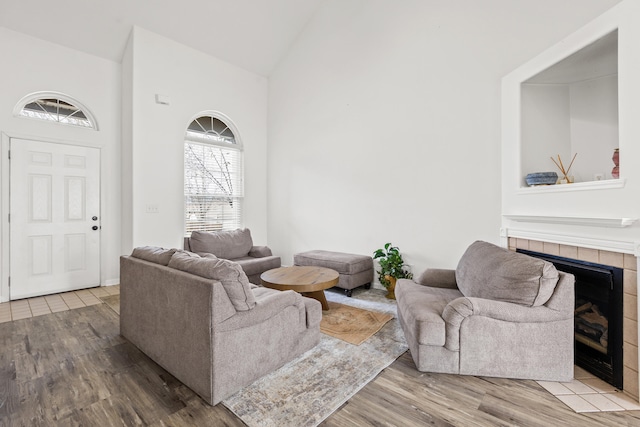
<point>154,254</point>
<point>230,274</point>
<point>488,271</point>
<point>227,244</point>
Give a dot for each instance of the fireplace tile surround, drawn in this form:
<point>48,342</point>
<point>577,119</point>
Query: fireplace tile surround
<point>628,263</point>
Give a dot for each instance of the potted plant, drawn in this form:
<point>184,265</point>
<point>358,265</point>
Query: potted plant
<point>391,268</point>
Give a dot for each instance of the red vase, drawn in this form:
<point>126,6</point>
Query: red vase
<point>615,172</point>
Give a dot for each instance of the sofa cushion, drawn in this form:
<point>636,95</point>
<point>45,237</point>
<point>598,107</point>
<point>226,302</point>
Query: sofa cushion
<point>260,252</point>
<point>488,271</point>
<point>153,254</point>
<point>233,279</point>
<point>227,244</point>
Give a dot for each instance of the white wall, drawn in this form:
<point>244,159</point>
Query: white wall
<point>154,134</point>
<point>546,130</point>
<point>127,148</point>
<point>594,126</point>
<point>384,122</point>
<point>32,65</point>
<point>565,119</point>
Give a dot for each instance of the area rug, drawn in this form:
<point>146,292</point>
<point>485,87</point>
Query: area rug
<point>310,388</point>
<point>351,324</point>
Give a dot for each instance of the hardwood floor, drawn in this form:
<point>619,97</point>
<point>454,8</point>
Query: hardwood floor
<point>74,369</point>
<point>402,396</point>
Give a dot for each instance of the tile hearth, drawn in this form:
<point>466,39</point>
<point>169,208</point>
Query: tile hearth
<point>586,393</point>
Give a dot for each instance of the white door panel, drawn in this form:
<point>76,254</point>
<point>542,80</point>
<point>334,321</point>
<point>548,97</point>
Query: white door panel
<point>54,204</point>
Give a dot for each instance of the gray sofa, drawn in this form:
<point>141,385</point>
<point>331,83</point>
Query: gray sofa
<point>201,320</point>
<point>499,314</point>
<point>237,246</point>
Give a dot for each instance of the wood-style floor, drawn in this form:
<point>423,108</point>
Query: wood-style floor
<point>74,369</point>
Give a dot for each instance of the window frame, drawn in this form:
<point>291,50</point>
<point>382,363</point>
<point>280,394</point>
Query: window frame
<point>32,97</point>
<point>237,196</point>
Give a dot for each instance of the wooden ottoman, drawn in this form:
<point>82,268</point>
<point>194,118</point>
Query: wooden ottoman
<point>355,270</point>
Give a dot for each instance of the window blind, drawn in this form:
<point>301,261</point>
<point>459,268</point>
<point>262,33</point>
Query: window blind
<point>213,187</point>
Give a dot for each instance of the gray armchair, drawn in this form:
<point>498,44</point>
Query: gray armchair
<point>237,246</point>
<point>499,314</point>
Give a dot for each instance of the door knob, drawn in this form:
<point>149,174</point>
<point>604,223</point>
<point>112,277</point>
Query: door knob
<point>95,218</point>
<point>95,227</point>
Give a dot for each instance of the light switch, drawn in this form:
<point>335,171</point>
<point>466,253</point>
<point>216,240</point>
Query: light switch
<point>162,99</point>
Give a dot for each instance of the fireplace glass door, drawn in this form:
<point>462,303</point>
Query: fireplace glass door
<point>598,316</point>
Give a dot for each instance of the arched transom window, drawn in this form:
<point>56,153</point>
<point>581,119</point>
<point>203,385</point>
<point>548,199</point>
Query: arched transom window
<point>55,107</point>
<point>213,176</point>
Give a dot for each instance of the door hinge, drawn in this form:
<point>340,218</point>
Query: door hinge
<point>9,154</point>
<point>9,281</point>
<point>8,217</point>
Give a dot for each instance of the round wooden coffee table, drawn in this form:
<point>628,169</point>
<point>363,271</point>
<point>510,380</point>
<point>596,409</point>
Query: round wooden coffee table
<point>309,281</point>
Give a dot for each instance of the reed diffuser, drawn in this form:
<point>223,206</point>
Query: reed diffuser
<point>565,173</point>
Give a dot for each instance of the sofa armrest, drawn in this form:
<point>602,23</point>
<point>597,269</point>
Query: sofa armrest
<point>260,251</point>
<point>438,278</point>
<point>267,306</point>
<point>461,308</point>
<point>313,312</point>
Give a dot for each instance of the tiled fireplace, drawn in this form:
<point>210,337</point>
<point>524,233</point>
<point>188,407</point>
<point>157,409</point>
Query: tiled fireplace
<point>552,110</point>
<point>628,263</point>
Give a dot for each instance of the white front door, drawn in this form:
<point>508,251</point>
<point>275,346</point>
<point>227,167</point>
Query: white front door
<point>54,218</point>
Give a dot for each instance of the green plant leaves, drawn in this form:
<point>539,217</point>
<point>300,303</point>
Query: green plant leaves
<point>391,264</point>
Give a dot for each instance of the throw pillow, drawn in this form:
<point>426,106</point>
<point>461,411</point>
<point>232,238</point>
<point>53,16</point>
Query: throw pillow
<point>230,274</point>
<point>227,244</point>
<point>491,272</point>
<point>153,254</point>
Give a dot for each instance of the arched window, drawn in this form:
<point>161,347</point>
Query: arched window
<point>213,175</point>
<point>55,107</point>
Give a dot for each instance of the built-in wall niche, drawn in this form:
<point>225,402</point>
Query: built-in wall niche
<point>572,107</point>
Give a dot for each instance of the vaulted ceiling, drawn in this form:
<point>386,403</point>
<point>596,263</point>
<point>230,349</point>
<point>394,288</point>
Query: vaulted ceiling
<point>252,34</point>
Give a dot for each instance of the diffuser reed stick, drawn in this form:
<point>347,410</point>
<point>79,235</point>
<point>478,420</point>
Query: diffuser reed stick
<point>560,166</point>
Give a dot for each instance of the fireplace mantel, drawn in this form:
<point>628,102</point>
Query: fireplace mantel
<point>574,220</point>
<point>626,247</point>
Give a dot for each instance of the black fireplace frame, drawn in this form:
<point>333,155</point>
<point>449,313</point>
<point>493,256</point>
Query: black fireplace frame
<point>607,367</point>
